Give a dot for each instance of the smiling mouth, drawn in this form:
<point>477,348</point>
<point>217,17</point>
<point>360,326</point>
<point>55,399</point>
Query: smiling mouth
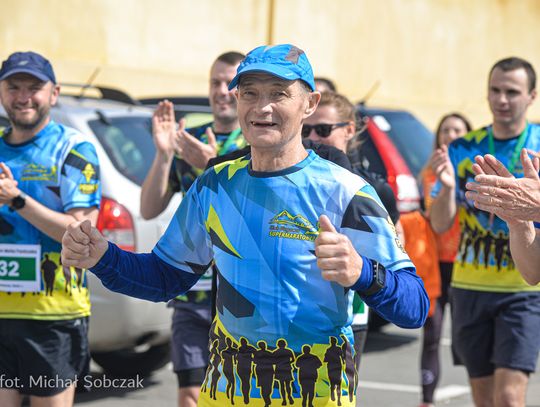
<point>263,124</point>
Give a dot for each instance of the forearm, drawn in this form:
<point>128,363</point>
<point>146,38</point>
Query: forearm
<point>403,301</point>
<point>155,194</point>
<point>443,210</point>
<point>53,223</point>
<point>525,249</point>
<point>142,275</point>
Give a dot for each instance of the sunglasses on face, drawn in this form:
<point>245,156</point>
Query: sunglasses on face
<point>322,129</point>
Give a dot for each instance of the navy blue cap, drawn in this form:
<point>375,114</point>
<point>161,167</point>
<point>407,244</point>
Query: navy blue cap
<point>30,63</point>
<point>285,61</point>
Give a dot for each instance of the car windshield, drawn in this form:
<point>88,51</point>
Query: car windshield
<point>413,140</point>
<point>128,143</point>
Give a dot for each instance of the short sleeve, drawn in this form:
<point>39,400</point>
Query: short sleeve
<point>80,184</point>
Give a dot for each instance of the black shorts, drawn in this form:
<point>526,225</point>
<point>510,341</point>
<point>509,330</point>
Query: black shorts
<point>189,342</point>
<point>495,330</point>
<point>43,358</point>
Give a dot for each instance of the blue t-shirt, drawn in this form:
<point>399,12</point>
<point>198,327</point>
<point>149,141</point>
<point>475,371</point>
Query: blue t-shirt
<point>484,262</point>
<point>260,230</point>
<point>59,168</point>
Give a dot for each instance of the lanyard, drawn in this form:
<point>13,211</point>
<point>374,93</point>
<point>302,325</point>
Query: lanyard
<point>231,139</point>
<point>517,150</point>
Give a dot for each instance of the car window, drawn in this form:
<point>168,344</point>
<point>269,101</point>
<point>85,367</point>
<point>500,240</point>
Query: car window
<point>413,140</point>
<point>128,143</point>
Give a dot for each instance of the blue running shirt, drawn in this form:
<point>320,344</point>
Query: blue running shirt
<point>484,262</point>
<point>59,169</point>
<point>277,318</point>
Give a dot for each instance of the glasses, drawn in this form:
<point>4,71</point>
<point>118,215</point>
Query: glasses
<point>322,129</point>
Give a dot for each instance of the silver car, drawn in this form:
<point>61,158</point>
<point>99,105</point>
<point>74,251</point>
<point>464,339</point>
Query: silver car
<point>127,335</point>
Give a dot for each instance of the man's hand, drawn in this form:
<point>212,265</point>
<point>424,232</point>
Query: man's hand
<point>497,191</point>
<point>82,245</point>
<point>164,128</point>
<point>195,152</point>
<point>442,167</point>
<point>8,185</point>
<point>336,256</point>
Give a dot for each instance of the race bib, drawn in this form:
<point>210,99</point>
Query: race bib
<point>20,267</point>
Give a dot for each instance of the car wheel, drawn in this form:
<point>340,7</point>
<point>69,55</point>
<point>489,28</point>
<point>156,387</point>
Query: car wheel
<point>129,362</point>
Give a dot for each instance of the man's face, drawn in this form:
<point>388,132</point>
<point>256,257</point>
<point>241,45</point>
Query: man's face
<point>509,96</point>
<point>271,110</point>
<point>27,100</point>
<point>222,101</point>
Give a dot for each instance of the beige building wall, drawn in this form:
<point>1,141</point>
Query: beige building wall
<point>428,56</point>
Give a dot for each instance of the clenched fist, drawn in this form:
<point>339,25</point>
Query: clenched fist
<point>82,245</point>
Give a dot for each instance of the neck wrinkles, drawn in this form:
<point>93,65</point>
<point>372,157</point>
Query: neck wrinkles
<point>272,159</point>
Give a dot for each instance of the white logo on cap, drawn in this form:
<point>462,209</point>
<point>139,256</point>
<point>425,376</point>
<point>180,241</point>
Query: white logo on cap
<point>23,62</point>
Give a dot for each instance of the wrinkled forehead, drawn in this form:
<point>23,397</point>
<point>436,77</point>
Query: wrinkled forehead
<point>263,79</point>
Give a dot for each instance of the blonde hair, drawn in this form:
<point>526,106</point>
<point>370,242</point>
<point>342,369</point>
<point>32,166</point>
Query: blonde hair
<point>343,106</point>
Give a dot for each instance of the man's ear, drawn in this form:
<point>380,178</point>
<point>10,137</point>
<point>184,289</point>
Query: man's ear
<point>533,96</point>
<point>313,102</point>
<point>55,91</point>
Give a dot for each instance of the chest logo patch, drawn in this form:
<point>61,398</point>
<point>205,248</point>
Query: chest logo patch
<point>38,172</point>
<point>292,227</point>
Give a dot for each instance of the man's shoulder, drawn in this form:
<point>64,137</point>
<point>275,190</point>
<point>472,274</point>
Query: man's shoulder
<point>66,133</point>
<point>326,169</point>
<point>223,168</point>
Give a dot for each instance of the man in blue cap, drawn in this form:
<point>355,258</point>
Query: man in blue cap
<point>49,178</point>
<point>293,236</point>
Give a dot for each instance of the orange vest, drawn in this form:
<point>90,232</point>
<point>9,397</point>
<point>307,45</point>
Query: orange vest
<point>447,242</point>
<point>421,246</point>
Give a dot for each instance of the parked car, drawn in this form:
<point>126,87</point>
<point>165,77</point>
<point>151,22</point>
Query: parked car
<point>398,146</point>
<point>127,335</point>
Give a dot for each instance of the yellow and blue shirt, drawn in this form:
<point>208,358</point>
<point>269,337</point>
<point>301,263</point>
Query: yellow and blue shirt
<point>484,261</point>
<point>59,168</point>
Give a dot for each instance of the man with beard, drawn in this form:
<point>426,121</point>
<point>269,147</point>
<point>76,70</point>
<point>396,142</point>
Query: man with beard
<point>49,178</point>
<point>181,156</point>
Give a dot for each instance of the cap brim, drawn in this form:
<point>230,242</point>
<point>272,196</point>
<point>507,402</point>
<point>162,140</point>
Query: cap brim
<point>270,69</point>
<point>38,75</point>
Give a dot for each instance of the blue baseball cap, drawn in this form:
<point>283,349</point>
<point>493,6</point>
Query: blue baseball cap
<point>30,63</point>
<point>285,61</point>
